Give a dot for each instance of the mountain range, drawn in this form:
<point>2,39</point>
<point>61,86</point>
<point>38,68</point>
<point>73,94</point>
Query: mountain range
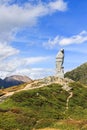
<point>13,80</point>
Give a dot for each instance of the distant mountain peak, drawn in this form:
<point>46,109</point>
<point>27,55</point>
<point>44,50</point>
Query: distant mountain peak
<point>18,77</point>
<point>14,80</point>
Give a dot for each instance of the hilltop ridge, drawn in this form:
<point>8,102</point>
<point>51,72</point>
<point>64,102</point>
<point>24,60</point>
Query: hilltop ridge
<point>78,74</point>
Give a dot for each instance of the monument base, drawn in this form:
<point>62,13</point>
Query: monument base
<point>60,75</point>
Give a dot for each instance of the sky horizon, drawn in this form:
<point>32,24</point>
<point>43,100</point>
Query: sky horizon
<point>33,31</point>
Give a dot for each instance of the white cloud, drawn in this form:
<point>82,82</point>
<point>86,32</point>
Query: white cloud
<point>76,39</point>
<point>7,50</point>
<point>34,73</point>
<point>14,16</point>
<point>10,63</point>
<point>18,65</point>
<point>52,42</point>
<point>63,41</point>
<point>58,5</point>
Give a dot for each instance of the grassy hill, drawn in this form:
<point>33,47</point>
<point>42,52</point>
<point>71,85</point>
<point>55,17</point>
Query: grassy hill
<point>45,108</point>
<point>78,74</point>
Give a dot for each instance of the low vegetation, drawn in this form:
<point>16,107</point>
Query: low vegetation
<point>45,109</point>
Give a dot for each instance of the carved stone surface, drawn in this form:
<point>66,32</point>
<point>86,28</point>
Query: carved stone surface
<point>59,64</point>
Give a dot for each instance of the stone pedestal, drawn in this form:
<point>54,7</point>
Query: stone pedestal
<point>60,74</point>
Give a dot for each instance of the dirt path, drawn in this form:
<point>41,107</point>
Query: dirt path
<point>2,98</point>
<point>69,90</point>
<point>28,87</point>
<point>67,101</point>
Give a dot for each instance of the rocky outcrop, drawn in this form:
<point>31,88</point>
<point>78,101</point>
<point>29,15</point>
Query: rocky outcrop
<point>47,81</point>
<point>55,79</point>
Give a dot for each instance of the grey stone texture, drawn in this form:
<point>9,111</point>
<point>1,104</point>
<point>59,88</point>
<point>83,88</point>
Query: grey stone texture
<point>59,64</point>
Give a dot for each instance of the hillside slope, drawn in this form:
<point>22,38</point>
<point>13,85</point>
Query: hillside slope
<point>45,107</point>
<point>34,84</point>
<point>78,74</point>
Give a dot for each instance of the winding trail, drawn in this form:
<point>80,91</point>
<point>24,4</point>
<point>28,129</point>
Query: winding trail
<point>27,87</point>
<point>69,90</point>
<point>2,98</point>
<point>67,101</point>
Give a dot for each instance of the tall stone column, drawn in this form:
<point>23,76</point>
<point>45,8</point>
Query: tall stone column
<point>59,64</point>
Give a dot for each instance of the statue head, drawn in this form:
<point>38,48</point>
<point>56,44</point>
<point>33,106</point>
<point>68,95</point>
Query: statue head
<point>62,50</point>
<point>60,54</point>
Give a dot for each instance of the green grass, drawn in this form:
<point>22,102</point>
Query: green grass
<point>45,107</point>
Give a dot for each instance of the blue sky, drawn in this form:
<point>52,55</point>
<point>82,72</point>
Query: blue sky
<point>33,31</point>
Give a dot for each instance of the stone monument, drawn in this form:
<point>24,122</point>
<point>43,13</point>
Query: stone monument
<point>59,64</point>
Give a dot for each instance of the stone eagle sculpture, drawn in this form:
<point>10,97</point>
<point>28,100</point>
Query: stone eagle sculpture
<point>59,64</point>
